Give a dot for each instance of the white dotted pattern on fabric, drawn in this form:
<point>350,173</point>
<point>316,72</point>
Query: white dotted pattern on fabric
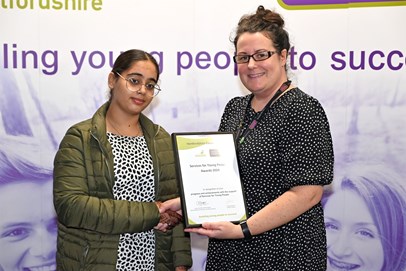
<point>134,173</point>
<point>290,146</point>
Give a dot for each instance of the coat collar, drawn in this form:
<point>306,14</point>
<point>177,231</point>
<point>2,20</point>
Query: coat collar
<point>99,124</point>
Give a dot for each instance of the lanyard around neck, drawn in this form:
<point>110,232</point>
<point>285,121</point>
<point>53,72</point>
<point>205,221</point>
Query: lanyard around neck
<point>258,117</point>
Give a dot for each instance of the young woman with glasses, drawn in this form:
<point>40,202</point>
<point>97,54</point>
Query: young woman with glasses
<point>110,174</point>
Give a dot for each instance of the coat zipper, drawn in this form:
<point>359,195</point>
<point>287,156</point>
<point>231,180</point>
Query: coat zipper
<point>104,155</point>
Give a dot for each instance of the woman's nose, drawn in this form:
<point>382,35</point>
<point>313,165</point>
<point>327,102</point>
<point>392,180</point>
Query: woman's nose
<point>341,246</point>
<point>43,245</point>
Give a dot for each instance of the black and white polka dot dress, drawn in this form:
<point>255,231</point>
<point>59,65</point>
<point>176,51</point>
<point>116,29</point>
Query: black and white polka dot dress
<point>134,173</point>
<point>290,146</point>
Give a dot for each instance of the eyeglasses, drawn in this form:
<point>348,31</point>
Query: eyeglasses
<point>133,84</point>
<point>260,56</point>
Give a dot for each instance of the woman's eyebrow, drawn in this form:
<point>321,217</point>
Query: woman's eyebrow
<point>141,75</point>
<point>136,74</point>
<point>15,225</point>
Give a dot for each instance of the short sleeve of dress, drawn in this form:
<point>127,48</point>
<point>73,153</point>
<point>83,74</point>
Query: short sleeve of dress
<point>306,144</point>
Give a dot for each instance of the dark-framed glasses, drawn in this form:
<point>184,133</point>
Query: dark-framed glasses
<point>134,84</point>
<point>260,56</point>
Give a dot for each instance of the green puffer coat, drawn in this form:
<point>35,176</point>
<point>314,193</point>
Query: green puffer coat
<point>89,220</point>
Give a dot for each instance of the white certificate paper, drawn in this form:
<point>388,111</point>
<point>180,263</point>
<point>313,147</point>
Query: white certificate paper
<point>207,169</point>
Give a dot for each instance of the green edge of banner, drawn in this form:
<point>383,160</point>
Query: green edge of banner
<point>342,6</point>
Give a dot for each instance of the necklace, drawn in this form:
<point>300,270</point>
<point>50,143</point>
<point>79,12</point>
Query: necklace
<point>258,117</point>
<point>138,132</point>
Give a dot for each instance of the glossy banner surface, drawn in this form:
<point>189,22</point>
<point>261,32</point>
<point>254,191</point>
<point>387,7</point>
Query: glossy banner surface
<point>55,57</point>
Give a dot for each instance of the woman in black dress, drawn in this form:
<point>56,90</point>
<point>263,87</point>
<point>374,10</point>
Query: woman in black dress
<point>285,154</point>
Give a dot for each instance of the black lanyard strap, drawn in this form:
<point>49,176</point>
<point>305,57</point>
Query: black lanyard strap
<point>258,117</point>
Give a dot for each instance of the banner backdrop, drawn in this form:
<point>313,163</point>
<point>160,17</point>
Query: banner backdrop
<point>55,57</point>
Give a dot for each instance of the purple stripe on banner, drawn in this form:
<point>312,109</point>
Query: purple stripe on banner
<point>329,2</point>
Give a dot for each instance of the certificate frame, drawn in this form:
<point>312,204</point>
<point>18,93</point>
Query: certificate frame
<point>208,173</point>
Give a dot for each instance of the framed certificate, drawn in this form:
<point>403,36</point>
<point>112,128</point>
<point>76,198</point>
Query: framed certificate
<point>207,169</point>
